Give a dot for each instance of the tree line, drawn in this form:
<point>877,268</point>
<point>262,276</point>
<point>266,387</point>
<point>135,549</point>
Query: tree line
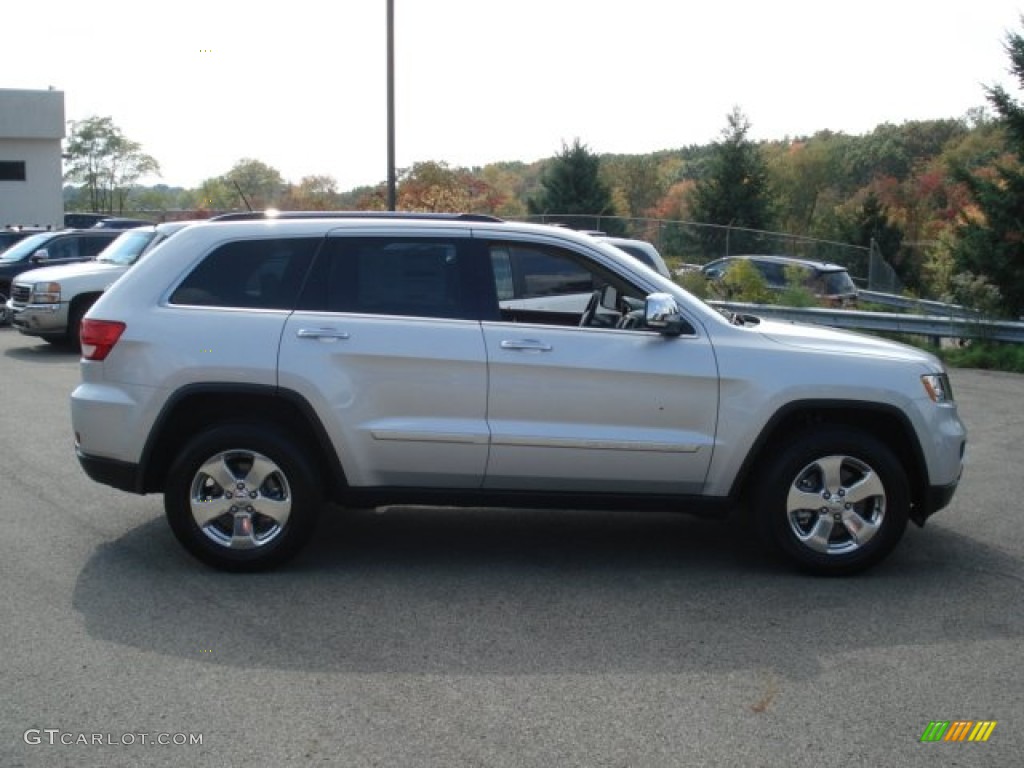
<point>943,200</point>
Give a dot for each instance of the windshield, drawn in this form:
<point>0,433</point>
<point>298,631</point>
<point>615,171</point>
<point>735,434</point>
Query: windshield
<point>127,247</point>
<point>25,248</point>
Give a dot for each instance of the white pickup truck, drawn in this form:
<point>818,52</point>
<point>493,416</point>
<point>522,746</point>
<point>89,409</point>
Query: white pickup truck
<point>50,302</point>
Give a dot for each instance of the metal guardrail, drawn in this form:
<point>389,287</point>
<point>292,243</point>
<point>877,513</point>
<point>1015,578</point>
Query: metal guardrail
<point>923,306</point>
<point>934,326</point>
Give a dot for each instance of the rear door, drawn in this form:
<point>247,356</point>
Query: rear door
<point>386,347</point>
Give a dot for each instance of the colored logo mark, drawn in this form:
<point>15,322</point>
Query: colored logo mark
<point>958,730</point>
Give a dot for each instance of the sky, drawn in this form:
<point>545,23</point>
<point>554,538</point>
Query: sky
<point>301,85</point>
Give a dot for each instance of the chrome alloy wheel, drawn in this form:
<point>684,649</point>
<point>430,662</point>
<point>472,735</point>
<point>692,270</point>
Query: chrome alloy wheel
<point>836,505</point>
<point>240,499</point>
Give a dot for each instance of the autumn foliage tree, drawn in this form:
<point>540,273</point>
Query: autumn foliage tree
<point>436,187</point>
<point>991,235</point>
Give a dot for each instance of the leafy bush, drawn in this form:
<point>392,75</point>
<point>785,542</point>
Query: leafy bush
<point>989,355</point>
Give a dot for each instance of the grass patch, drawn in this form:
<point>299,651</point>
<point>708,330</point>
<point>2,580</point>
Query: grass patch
<point>990,356</point>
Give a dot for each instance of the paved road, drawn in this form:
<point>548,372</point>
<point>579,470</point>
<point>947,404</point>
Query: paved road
<point>495,638</point>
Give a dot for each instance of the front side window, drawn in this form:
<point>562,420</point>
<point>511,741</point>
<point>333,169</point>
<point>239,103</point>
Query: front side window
<point>252,274</point>
<point>524,271</point>
<point>62,248</point>
<point>543,284</point>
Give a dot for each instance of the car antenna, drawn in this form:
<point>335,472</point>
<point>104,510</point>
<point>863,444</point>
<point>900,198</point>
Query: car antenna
<point>241,194</point>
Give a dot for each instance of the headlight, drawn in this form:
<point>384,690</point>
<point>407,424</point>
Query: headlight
<point>45,293</point>
<point>938,388</point>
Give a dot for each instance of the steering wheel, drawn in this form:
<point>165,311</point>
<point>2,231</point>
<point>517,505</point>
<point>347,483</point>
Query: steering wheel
<point>588,314</point>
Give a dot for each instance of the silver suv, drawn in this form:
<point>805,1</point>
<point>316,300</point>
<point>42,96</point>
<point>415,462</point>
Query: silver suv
<point>251,370</point>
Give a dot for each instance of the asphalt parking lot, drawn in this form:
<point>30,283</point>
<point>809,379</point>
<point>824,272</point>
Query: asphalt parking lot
<point>415,637</point>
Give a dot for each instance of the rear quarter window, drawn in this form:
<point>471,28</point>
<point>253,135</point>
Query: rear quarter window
<point>250,274</point>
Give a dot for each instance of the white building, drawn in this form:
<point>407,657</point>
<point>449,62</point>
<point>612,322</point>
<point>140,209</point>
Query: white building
<point>31,180</point>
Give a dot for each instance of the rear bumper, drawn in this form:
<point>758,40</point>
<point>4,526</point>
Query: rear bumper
<point>117,474</point>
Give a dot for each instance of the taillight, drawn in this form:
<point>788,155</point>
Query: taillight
<point>99,337</point>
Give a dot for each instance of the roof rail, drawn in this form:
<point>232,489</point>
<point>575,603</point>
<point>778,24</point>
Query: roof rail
<point>272,214</point>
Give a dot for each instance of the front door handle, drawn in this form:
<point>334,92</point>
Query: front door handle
<point>321,333</point>
<point>529,345</point>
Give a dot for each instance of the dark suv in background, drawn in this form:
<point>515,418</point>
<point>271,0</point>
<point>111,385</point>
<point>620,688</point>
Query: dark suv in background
<point>11,235</point>
<point>828,282</point>
<point>44,248</point>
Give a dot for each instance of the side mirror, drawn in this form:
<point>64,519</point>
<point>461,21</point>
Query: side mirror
<point>40,256</point>
<point>661,313</point>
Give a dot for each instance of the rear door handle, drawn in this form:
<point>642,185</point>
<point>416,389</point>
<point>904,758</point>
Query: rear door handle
<point>321,333</point>
<point>529,345</point>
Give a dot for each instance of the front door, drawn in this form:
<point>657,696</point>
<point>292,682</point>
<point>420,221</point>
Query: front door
<point>606,407</point>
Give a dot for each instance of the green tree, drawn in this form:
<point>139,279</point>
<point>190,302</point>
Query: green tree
<point>260,185</point>
<point>573,193</point>
<point>871,222</point>
<point>106,163</point>
<point>734,194</point>
<point>803,173</point>
<point>217,194</point>
<point>991,234</point>
<point>638,179</point>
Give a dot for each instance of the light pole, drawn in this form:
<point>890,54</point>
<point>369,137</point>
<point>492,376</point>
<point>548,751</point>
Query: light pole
<point>391,104</point>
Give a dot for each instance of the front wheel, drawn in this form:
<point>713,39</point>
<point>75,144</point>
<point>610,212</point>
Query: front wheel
<point>835,500</point>
<point>5,313</point>
<point>242,498</point>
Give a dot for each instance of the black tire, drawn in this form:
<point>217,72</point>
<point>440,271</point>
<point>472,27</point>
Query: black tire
<point>281,511</point>
<point>5,314</point>
<point>78,310</point>
<point>851,521</point>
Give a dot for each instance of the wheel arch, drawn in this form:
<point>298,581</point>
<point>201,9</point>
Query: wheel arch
<point>79,298</point>
<point>887,423</point>
<point>199,406</point>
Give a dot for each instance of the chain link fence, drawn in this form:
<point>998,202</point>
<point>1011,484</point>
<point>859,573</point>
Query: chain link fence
<point>689,242</point>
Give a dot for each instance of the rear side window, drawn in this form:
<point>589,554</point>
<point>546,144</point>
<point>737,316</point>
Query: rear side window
<point>251,274</point>
<point>408,276</point>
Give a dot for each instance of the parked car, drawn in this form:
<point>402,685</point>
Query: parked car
<point>114,222</point>
<point>79,220</point>
<point>249,370</point>
<point>830,283</point>
<point>59,247</point>
<point>50,302</point>
<point>641,250</point>
<point>11,235</point>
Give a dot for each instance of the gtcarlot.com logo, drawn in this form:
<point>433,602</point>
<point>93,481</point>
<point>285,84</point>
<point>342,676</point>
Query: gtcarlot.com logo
<point>55,736</point>
<point>958,730</point>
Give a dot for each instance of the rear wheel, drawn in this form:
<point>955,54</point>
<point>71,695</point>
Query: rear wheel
<point>835,500</point>
<point>242,498</point>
